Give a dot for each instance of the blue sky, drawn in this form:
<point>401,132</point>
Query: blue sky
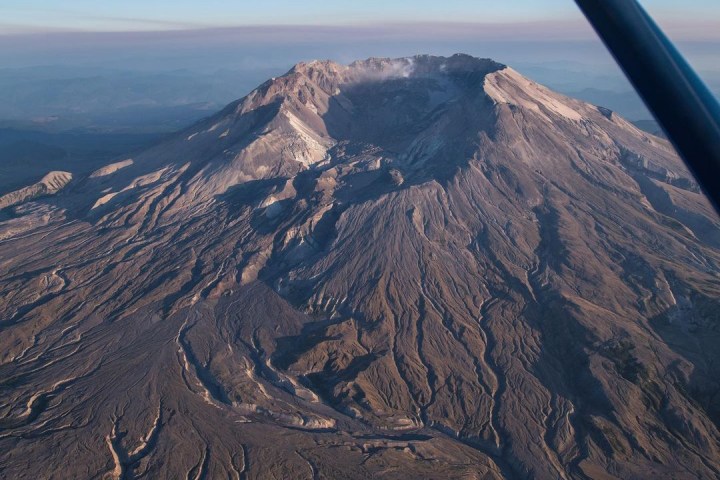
<point>27,16</point>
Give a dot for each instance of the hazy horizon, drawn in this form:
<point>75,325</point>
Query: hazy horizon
<point>164,33</point>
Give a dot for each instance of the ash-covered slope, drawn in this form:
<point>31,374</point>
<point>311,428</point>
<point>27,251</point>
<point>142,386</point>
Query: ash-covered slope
<point>414,268</point>
<point>50,184</point>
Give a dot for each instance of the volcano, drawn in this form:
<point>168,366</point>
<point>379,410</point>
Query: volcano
<point>423,267</point>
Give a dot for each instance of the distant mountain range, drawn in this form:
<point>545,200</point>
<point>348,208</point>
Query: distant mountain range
<point>422,267</point>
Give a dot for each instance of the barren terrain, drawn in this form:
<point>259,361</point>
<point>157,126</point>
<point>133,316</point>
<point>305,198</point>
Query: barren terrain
<point>415,268</point>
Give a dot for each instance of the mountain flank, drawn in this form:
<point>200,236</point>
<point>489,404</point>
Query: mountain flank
<point>423,267</point>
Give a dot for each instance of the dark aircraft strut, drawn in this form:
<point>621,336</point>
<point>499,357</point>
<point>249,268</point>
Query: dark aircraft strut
<point>680,101</point>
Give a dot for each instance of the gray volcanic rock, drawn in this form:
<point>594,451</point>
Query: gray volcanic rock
<point>413,268</point>
<point>50,184</point>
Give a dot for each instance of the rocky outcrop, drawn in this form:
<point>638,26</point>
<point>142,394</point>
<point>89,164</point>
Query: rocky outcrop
<point>50,184</point>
